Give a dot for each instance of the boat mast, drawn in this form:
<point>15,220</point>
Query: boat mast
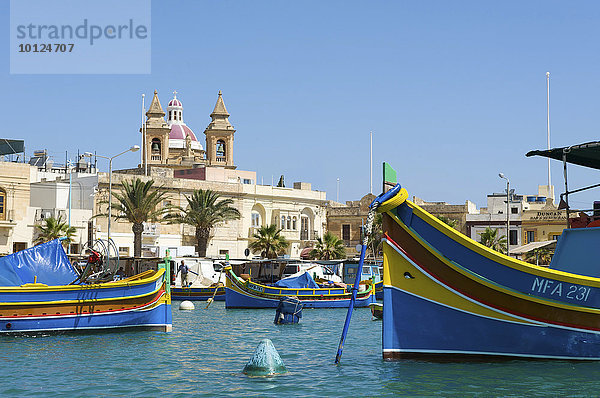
<point>548,123</point>
<point>371,166</point>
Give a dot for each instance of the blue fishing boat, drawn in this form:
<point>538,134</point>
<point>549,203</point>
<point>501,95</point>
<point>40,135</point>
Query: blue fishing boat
<point>447,296</point>
<point>244,293</point>
<point>40,291</point>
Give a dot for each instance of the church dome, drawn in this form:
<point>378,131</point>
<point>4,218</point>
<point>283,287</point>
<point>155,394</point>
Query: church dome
<point>179,131</point>
<point>175,103</point>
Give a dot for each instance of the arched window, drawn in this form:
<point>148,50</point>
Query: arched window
<point>220,148</point>
<point>179,115</point>
<point>304,227</point>
<point>282,222</point>
<point>255,219</point>
<point>2,204</point>
<point>294,225</point>
<point>289,223</point>
<point>170,115</point>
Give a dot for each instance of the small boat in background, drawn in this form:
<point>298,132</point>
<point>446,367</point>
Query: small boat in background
<point>376,310</point>
<point>244,293</point>
<point>41,291</point>
<point>206,280</point>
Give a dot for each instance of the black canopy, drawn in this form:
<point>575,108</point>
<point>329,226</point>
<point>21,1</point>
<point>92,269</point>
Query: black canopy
<point>587,154</point>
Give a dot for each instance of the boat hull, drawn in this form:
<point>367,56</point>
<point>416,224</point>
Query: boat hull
<point>143,303</point>
<point>447,296</point>
<point>379,290</point>
<point>198,293</point>
<point>242,294</point>
<point>425,329</point>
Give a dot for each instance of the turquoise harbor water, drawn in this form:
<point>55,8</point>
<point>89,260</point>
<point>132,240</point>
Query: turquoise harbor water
<point>207,350</point>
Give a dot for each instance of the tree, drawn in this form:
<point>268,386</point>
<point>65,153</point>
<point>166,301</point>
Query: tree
<point>448,221</point>
<point>330,247</point>
<point>490,238</point>
<point>281,182</point>
<point>374,242</point>
<point>268,240</point>
<point>204,212</point>
<point>539,256</point>
<point>138,203</point>
<point>54,228</point>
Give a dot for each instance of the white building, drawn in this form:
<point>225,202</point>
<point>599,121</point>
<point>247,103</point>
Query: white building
<point>494,215</point>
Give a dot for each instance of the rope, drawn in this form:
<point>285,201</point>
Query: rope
<point>369,225</point>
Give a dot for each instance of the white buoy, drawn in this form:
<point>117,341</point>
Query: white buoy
<point>186,305</point>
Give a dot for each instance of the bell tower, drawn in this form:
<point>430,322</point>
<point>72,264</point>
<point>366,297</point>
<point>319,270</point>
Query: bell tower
<point>219,137</point>
<point>156,146</point>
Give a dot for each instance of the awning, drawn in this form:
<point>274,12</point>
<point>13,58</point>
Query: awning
<point>305,253</point>
<point>587,154</point>
<point>532,246</point>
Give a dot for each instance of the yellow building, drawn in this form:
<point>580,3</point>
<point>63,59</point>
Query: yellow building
<point>543,224</point>
<point>15,181</point>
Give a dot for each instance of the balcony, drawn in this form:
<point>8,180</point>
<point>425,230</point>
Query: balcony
<point>42,214</point>
<point>151,229</point>
<point>155,158</point>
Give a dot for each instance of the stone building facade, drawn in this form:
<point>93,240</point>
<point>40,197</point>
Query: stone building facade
<point>451,212</point>
<point>15,179</point>
<point>543,224</point>
<point>346,221</point>
<point>171,143</point>
<point>178,163</point>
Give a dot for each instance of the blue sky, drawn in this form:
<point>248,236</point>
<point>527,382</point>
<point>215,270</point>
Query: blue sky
<point>454,92</point>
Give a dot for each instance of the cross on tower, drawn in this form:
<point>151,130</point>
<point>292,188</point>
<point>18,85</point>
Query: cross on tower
<point>175,94</point>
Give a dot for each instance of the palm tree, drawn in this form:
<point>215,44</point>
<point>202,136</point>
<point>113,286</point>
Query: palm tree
<point>54,228</point>
<point>448,221</point>
<point>539,256</point>
<point>374,242</point>
<point>138,203</point>
<point>490,238</point>
<point>268,240</point>
<point>204,212</point>
<point>330,247</point>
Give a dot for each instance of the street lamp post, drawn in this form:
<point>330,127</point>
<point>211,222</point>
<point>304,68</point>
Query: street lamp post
<point>501,175</point>
<point>110,159</point>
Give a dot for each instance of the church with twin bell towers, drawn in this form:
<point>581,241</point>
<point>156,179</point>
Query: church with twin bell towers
<point>172,144</point>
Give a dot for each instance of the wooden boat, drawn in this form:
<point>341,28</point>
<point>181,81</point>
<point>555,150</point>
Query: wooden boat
<point>379,290</point>
<point>198,293</point>
<point>446,295</point>
<point>41,292</point>
<point>206,281</point>
<point>376,310</point>
<point>240,293</point>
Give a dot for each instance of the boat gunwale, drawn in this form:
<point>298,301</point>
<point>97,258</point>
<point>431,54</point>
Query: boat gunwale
<point>492,255</point>
<point>106,285</point>
<point>243,285</point>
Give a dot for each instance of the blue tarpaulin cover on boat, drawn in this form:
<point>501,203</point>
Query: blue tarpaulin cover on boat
<point>296,282</point>
<point>47,261</point>
<point>577,251</point>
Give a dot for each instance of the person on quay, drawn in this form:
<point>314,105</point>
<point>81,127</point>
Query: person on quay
<point>184,269</point>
